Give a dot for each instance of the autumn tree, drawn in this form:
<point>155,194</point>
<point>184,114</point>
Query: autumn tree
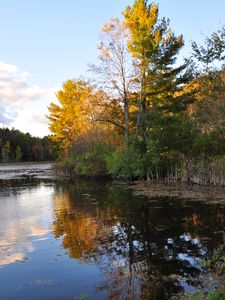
<point>141,99</point>
<point>76,112</point>
<point>76,120</point>
<point>208,112</point>
<point>155,48</point>
<point>160,95</point>
<point>141,19</point>
<point>115,69</point>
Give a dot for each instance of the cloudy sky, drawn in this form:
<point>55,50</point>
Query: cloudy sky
<point>45,42</point>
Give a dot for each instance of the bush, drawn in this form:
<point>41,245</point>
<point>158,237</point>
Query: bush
<point>125,165</point>
<point>89,161</point>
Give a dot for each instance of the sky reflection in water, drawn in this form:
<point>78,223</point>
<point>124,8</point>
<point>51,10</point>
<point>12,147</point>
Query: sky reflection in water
<point>94,240</point>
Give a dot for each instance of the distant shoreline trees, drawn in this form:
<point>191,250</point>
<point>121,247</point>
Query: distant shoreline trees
<point>16,146</point>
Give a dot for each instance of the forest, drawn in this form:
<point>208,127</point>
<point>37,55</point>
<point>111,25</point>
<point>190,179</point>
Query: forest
<point>16,146</point>
<point>145,112</point>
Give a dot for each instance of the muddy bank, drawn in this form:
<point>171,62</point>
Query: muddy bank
<point>178,190</point>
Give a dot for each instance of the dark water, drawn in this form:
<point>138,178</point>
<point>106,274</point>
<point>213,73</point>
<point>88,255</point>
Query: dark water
<point>94,240</point>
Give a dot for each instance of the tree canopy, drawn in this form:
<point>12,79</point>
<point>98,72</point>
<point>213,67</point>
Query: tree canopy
<point>148,113</point>
<point>16,146</point>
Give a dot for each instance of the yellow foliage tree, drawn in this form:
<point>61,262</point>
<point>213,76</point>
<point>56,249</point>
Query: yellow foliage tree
<point>79,114</point>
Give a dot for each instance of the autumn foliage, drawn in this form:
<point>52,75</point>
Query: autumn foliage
<point>144,115</point>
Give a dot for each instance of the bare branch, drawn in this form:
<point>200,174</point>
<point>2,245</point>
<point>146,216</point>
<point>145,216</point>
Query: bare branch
<point>111,122</point>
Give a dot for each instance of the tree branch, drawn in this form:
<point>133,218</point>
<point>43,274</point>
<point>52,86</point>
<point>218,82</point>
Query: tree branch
<point>112,122</point>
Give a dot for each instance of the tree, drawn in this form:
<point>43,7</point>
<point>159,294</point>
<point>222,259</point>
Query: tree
<point>38,152</point>
<point>208,112</point>
<point>18,154</point>
<point>141,21</point>
<point>155,48</point>
<point>1,149</point>
<point>6,151</point>
<point>67,118</point>
<point>23,144</point>
<point>80,108</point>
<point>161,94</point>
<point>115,68</point>
<point>213,50</point>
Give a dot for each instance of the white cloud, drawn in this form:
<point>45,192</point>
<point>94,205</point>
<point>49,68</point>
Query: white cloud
<point>39,119</point>
<point>14,88</point>
<point>23,105</point>
<point>22,222</point>
<point>5,117</point>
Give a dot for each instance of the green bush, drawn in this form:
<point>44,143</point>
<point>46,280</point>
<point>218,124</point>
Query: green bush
<point>122,164</point>
<point>88,162</point>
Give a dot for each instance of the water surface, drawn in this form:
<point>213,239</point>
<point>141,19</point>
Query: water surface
<point>96,240</point>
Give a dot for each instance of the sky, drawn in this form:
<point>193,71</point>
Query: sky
<point>46,42</point>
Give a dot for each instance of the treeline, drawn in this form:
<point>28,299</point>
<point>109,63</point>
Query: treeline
<point>143,115</point>
<point>16,146</point>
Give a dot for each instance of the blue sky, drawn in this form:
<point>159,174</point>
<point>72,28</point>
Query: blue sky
<point>45,42</point>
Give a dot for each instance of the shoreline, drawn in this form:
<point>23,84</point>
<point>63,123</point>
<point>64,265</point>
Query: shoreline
<point>178,190</point>
<point>26,163</point>
<point>150,189</point>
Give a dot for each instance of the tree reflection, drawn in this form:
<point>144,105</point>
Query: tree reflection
<point>80,229</point>
<point>146,249</point>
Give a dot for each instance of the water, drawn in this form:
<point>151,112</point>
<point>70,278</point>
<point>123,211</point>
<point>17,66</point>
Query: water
<point>25,170</point>
<point>96,240</point>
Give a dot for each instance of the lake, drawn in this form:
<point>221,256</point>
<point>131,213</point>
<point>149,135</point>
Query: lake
<point>97,240</point>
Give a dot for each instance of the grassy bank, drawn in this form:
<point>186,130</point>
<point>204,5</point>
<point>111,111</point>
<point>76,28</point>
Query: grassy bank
<point>217,295</point>
<point>104,163</point>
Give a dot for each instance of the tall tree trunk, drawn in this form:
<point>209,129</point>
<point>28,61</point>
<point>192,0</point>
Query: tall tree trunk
<point>126,119</point>
<point>126,136</point>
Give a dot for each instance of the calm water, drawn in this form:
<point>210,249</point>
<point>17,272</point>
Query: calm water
<point>94,240</point>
